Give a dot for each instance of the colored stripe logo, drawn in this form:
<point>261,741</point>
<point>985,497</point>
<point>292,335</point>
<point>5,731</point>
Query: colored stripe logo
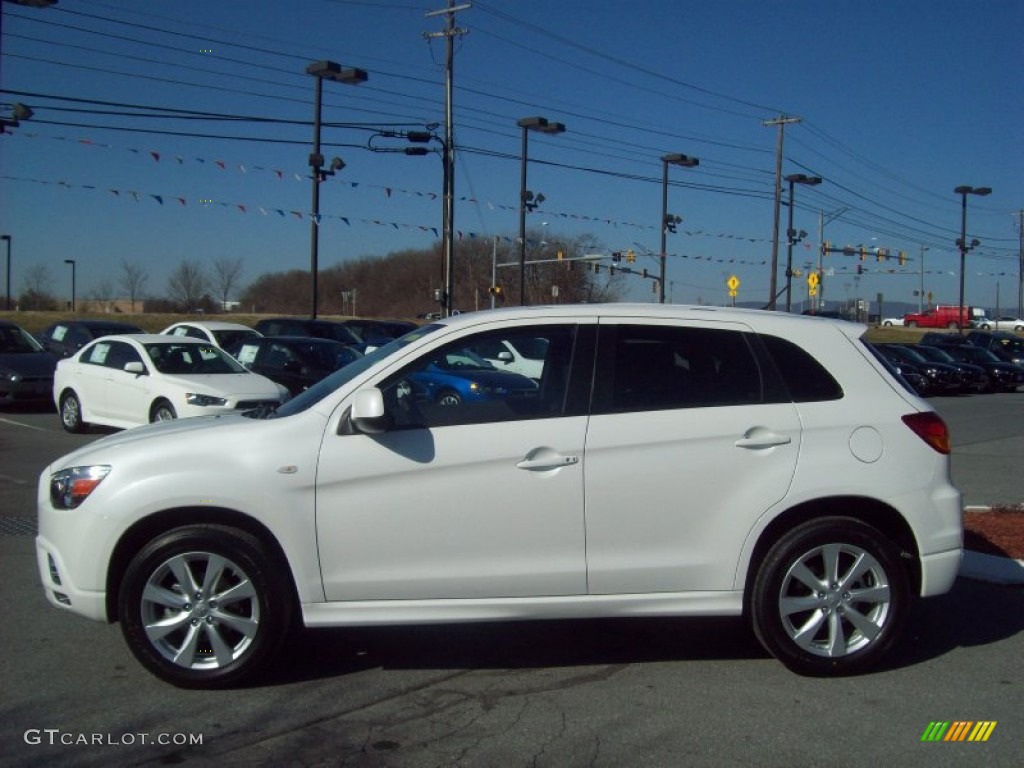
<point>959,730</point>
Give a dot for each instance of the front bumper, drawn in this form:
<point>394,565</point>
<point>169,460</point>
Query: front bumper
<point>60,590</point>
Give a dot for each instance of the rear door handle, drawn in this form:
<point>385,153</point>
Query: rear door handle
<point>762,438</point>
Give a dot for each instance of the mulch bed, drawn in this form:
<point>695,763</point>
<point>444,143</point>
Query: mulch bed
<point>996,532</point>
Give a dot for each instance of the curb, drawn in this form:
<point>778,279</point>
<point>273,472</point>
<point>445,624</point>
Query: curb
<point>991,568</point>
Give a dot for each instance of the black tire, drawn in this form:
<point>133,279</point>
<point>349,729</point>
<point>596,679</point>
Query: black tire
<point>839,626</point>
<point>912,324</point>
<point>162,410</point>
<point>449,397</point>
<point>214,634</point>
<point>71,413</point>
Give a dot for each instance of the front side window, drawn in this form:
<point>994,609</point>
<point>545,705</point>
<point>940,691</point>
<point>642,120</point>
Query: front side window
<point>660,367</point>
<point>456,385</point>
<point>119,355</point>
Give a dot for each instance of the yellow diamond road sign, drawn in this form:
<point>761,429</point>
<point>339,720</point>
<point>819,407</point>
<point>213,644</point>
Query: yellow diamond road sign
<point>812,279</point>
<point>733,283</point>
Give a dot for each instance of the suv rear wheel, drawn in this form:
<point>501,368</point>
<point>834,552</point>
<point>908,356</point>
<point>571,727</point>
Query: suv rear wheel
<point>830,598</point>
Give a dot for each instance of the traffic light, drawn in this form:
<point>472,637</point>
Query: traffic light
<point>863,253</point>
<point>826,247</point>
<point>561,255</point>
<point>497,291</point>
<point>903,258</point>
<point>616,255</point>
<point>630,256</point>
<point>860,269</point>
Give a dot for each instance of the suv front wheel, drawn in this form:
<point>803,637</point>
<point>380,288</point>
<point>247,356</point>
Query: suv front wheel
<point>201,606</point>
<point>830,598</point>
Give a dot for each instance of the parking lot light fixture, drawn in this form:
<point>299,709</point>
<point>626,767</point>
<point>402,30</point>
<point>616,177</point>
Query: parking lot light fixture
<point>962,243</point>
<point>527,124</point>
<point>7,239</point>
<point>322,70</point>
<point>668,223</point>
<point>72,263</point>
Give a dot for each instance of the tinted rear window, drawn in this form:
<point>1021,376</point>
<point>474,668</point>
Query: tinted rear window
<point>804,377</point>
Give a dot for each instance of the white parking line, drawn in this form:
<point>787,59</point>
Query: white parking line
<point>22,424</point>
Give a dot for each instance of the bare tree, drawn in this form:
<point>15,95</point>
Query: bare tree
<point>227,273</point>
<point>133,280</point>
<point>187,284</point>
<point>36,294</point>
<point>103,295</point>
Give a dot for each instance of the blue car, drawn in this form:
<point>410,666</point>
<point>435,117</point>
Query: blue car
<point>459,376</point>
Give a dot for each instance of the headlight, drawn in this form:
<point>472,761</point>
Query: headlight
<point>9,375</point>
<point>70,487</point>
<point>193,398</point>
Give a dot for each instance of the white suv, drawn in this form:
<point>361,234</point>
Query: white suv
<point>671,461</point>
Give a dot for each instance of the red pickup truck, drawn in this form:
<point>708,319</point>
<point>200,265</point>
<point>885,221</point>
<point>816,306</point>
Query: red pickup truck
<point>944,317</point>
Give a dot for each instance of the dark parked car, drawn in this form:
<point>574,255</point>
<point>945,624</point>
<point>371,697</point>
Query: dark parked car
<point>376,333</point>
<point>297,326</point>
<point>1002,375</point>
<point>973,377</point>
<point>65,338</point>
<point>26,369</point>
<point>1008,347</point>
<point>296,362</point>
<point>943,378</point>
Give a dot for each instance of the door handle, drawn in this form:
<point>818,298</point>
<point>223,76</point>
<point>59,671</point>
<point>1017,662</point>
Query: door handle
<point>762,438</point>
<point>548,461</point>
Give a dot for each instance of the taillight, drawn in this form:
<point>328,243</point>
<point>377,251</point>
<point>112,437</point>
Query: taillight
<point>930,427</point>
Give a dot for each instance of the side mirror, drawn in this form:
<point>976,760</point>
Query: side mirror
<point>135,367</point>
<point>505,356</point>
<point>367,412</point>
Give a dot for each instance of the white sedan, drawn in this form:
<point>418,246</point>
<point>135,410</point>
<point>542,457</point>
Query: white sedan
<point>217,332</point>
<point>1004,323</point>
<point>126,381</point>
<point>892,321</point>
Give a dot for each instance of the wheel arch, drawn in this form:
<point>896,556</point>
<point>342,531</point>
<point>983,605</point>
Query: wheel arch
<point>157,401</point>
<point>145,530</point>
<point>873,512</point>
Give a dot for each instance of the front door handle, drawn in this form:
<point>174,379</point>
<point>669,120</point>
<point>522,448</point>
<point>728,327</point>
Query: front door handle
<point>547,460</point>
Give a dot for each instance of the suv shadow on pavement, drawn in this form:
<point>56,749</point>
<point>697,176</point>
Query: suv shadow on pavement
<point>984,614</point>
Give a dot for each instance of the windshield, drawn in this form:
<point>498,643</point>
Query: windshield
<point>342,376</point>
<point>187,359</point>
<point>16,340</point>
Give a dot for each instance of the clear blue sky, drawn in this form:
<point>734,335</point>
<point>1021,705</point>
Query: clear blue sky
<point>900,101</point>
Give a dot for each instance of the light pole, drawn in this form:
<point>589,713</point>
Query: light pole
<point>323,70</point>
<point>668,223</point>
<point>791,234</point>
<point>920,293</point>
<point>8,239</point>
<point>72,263</point>
<point>526,198</point>
<point>964,191</point>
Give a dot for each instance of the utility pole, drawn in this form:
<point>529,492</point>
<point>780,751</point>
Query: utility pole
<point>448,153</point>
<point>781,121</point>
